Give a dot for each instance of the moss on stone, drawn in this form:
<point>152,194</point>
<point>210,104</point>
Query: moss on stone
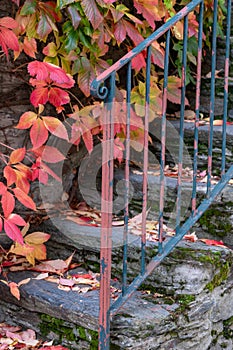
<point>219,277</point>
<point>217,227</point>
<point>67,332</point>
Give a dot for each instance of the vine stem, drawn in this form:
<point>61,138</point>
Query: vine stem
<point>75,97</point>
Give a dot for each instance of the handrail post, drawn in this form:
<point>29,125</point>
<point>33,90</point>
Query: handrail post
<point>106,216</point>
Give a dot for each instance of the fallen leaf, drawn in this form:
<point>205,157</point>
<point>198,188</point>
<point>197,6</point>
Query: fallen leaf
<point>41,276</point>
<point>25,281</point>
<point>213,242</point>
<point>14,290</point>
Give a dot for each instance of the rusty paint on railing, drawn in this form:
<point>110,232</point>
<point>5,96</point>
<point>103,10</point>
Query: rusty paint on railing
<point>103,87</point>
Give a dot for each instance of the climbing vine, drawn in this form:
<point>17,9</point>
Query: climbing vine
<point>66,44</point>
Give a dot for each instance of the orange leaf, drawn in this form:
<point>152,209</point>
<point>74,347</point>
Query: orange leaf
<point>9,175</point>
<point>24,198</point>
<point>38,133</point>
<point>14,290</point>
<point>26,120</point>
<point>8,203</point>
<point>17,155</point>
<point>30,47</point>
<point>19,249</point>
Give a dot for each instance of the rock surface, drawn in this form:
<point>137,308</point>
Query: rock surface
<point>185,304</point>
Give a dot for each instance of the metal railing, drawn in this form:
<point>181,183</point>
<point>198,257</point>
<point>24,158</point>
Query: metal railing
<point>104,87</point>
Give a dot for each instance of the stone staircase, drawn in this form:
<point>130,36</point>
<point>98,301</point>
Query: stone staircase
<point>185,304</point>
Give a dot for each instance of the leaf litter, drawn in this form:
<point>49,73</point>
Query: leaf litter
<point>13,337</point>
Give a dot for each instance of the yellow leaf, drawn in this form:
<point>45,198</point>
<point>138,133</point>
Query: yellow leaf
<point>19,249</point>
<point>25,229</point>
<point>37,238</point>
<point>38,253</point>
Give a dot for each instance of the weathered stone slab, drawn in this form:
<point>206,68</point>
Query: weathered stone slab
<point>179,318</point>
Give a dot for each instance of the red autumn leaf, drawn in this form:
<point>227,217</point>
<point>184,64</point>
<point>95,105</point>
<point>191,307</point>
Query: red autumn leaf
<point>38,133</point>
<point>44,70</point>
<point>24,198</point>
<point>133,33</point>
<point>38,69</point>
<point>120,32</point>
<point>26,120</point>
<point>84,221</point>
<point>53,347</point>
<point>1,224</point>
<point>14,290</point>
<point>17,155</point>
<point>58,97</point>
<point>212,242</point>
<point>138,62</point>
<point>8,39</point>
<point>41,94</point>
<point>8,203</point>
<point>13,231</point>
<point>56,127</point>
<point>51,154</point>
<point>16,219</point>
<point>3,188</point>
<point>47,91</point>
<point>158,54</point>
<point>9,175</point>
<point>8,22</point>
<point>146,9</point>
<point>92,12</point>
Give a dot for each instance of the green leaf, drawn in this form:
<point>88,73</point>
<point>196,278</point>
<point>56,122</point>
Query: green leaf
<point>28,8</point>
<point>84,39</point>
<point>71,41</point>
<point>63,3</point>
<point>53,60</point>
<point>76,67</point>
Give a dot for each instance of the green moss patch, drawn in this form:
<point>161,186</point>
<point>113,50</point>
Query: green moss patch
<point>67,332</point>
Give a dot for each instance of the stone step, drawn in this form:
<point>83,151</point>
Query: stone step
<point>185,304</point>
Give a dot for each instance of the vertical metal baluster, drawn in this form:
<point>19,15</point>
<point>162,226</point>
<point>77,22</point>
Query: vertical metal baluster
<point>163,142</point>
<point>212,97</point>
<point>106,217</point>
<point>127,159</point>
<point>182,109</point>
<point>197,107</point>
<point>145,160</point>
<point>226,79</point>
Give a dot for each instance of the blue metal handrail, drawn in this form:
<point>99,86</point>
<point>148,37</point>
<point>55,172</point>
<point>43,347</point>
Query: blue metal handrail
<point>103,87</point>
